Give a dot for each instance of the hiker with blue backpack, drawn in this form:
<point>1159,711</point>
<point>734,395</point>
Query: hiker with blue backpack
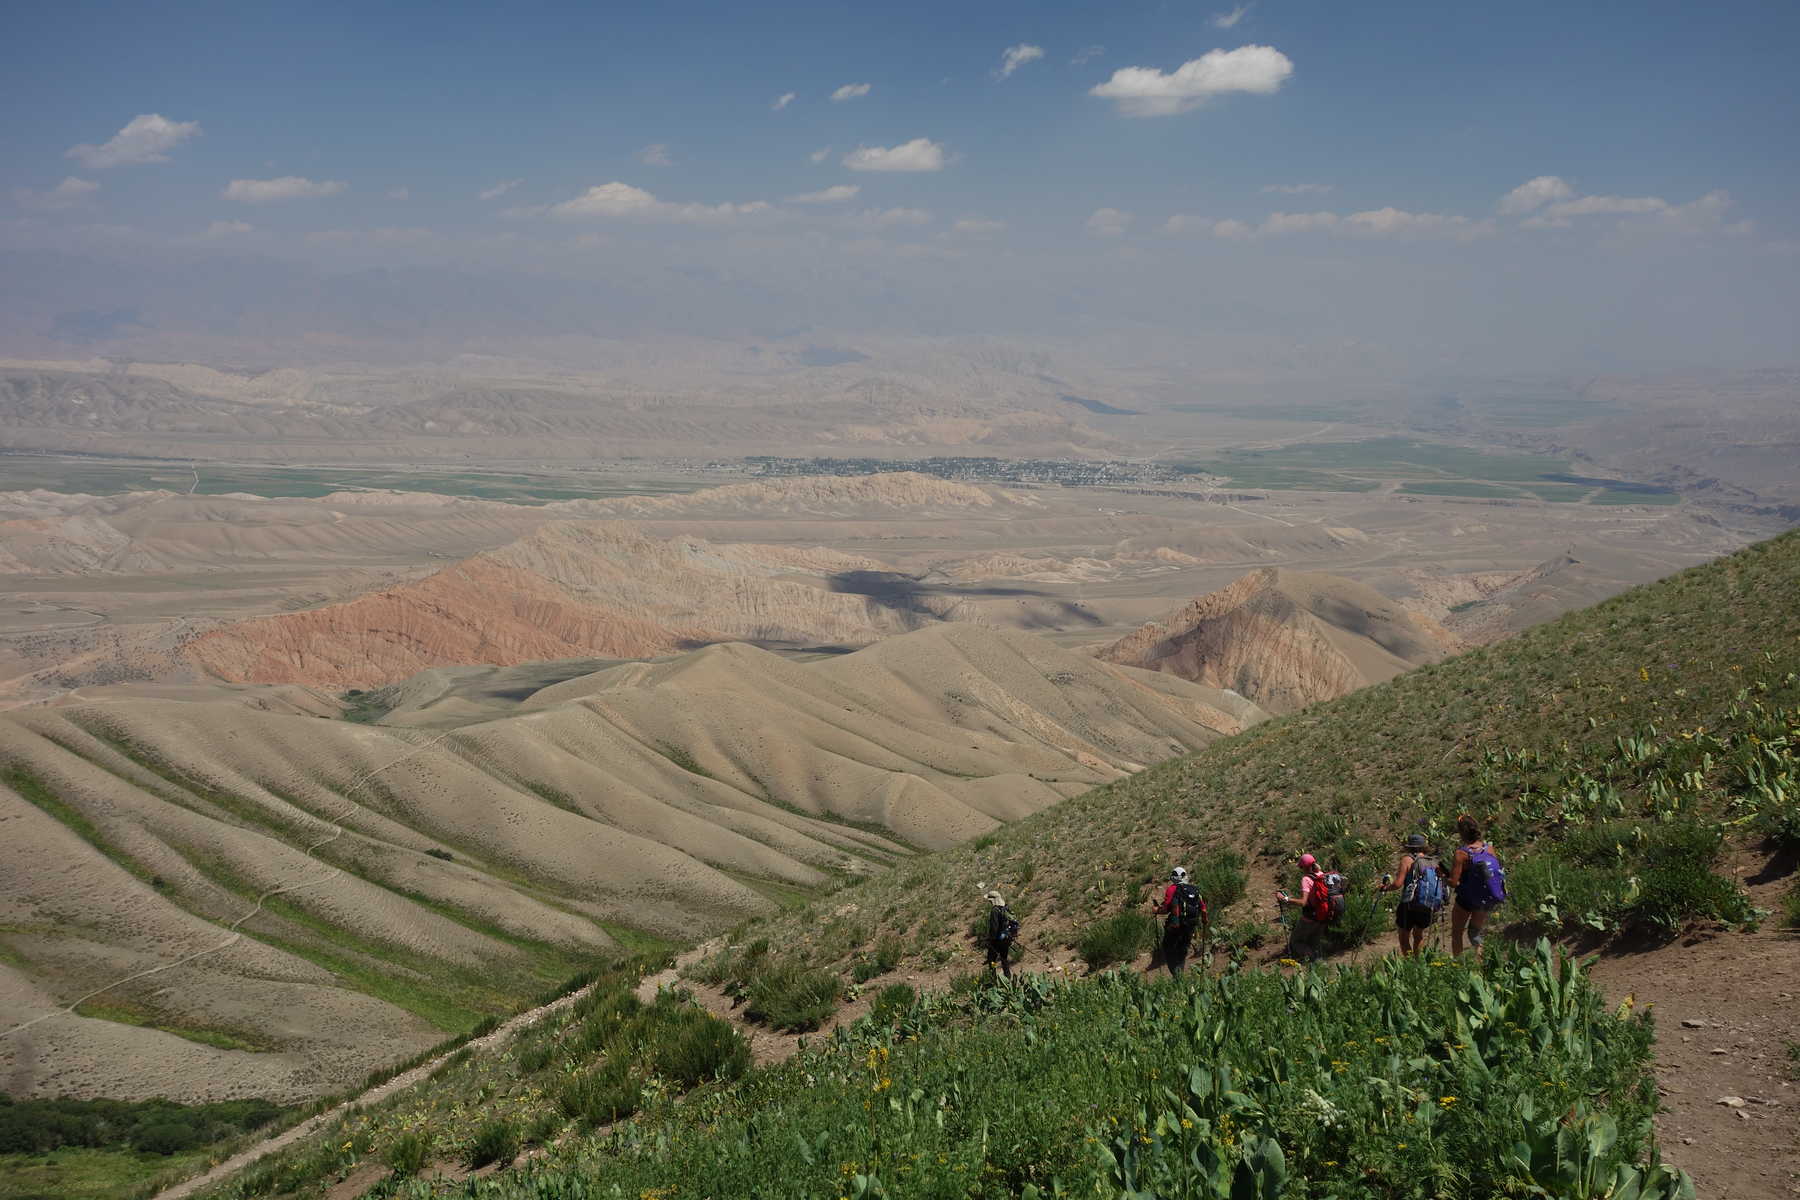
<point>1420,881</point>
<point>1002,932</point>
<point>1185,909</point>
<point>1478,882</point>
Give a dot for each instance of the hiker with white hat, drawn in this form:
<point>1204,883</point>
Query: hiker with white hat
<point>1002,931</point>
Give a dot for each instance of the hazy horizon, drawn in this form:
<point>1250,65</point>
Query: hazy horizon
<point>1407,189</point>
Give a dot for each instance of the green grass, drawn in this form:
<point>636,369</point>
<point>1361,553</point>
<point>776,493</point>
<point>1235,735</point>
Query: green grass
<point>79,1173</point>
<point>127,1012</point>
<point>35,791</point>
<point>1458,488</point>
<point>1615,496</point>
<point>1414,1078</point>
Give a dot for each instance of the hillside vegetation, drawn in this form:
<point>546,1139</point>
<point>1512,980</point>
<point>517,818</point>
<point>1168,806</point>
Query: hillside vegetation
<point>1615,754</point>
<point>1632,744</point>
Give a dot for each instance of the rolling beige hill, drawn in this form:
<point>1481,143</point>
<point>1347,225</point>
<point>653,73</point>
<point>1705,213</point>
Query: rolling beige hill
<point>569,589</point>
<point>1286,639</point>
<point>444,864</point>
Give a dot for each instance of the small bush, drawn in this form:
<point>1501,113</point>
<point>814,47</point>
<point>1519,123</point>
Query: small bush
<point>543,1129</point>
<point>495,1142</point>
<point>863,970</point>
<point>1678,884</point>
<point>434,852</point>
<point>408,1153</point>
<point>1245,935</point>
<point>535,1058</point>
<point>1119,938</point>
<point>695,1047</point>
<point>1790,906</point>
<point>891,1002</point>
<point>598,1097</point>
<point>791,998</point>
<point>1222,881</point>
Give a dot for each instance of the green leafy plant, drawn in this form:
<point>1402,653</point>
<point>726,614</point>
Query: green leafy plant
<point>1116,939</point>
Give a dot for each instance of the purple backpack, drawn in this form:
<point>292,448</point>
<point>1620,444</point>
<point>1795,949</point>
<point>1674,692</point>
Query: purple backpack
<point>1483,883</point>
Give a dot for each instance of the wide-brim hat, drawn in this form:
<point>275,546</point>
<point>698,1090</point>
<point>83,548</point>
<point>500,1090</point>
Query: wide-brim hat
<point>1416,841</point>
<point>996,899</point>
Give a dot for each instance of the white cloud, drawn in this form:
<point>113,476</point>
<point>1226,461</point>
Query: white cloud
<point>1606,206</point>
<point>1229,20</point>
<point>621,201</point>
<point>831,195</point>
<point>70,193</point>
<point>850,91</point>
<point>399,193</point>
<point>1233,230</point>
<point>890,218</point>
<point>920,154</point>
<point>821,154</point>
<point>146,138</point>
<point>288,187</point>
<point>1014,57</point>
<point>656,154</point>
<point>499,189</point>
<point>228,228</point>
<point>1186,223</point>
<point>1314,222</point>
<point>1533,194</point>
<point>1108,222</point>
<point>782,101</point>
<point>1148,92</point>
<point>1394,222</point>
<point>1296,189</point>
<point>977,225</point>
<point>1086,54</point>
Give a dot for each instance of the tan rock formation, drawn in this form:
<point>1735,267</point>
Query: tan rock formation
<point>569,590</point>
<point>1286,639</point>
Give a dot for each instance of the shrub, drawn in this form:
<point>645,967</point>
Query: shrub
<point>535,1058</point>
<point>891,1002</point>
<point>434,852</point>
<point>864,969</point>
<point>1116,939</point>
<point>693,1047</point>
<point>607,1093</point>
<point>1222,881</point>
<point>790,997</point>
<point>495,1142</point>
<point>168,1137</point>
<point>1790,906</point>
<point>543,1129</point>
<point>408,1153</point>
<point>1678,884</point>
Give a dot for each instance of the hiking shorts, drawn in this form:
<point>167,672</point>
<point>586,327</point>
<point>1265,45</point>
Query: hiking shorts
<point>1412,916</point>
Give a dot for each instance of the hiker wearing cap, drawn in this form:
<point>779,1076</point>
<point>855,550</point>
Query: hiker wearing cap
<point>1185,909</point>
<point>1002,929</point>
<point>1478,882</point>
<point>1419,880</point>
<point>1306,941</point>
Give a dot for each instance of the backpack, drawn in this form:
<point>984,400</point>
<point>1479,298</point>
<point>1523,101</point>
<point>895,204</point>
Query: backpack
<point>1424,883</point>
<point>1325,903</point>
<point>1003,927</point>
<point>1186,908</point>
<point>1483,883</point>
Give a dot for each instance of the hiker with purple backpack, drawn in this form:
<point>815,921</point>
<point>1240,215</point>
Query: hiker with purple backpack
<point>1478,882</point>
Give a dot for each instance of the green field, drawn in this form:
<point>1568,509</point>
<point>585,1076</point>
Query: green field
<point>1422,469</point>
<point>112,476</point>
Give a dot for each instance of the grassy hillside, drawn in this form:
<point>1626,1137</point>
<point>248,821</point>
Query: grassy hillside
<point>1618,753</point>
<point>1615,754</point>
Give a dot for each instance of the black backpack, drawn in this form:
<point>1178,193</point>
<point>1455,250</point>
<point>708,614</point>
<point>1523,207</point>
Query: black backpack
<point>1003,927</point>
<point>1186,908</point>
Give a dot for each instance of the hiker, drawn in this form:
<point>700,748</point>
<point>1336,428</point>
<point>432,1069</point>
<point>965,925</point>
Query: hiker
<point>1185,909</point>
<point>1478,882</point>
<point>1419,880</point>
<point>1320,904</point>
<point>1002,929</point>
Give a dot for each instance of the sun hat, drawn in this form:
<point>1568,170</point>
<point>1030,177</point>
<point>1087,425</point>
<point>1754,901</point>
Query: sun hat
<point>1416,841</point>
<point>996,900</point>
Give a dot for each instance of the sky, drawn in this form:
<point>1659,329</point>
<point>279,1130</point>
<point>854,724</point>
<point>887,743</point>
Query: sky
<point>1522,186</point>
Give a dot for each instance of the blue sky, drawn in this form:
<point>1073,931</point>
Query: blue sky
<point>1312,155</point>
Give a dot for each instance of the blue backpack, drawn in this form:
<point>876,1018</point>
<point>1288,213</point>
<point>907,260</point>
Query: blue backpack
<point>1483,884</point>
<point>1424,885</point>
